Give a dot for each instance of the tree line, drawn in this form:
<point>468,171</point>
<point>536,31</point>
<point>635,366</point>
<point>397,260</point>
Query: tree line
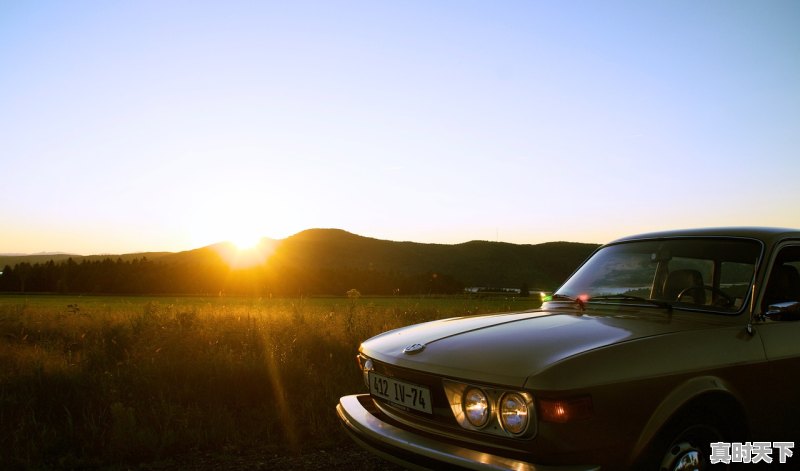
<point>142,276</point>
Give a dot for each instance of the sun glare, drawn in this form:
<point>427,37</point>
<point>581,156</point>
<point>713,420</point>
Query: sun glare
<point>239,238</point>
<point>245,242</point>
<point>246,253</point>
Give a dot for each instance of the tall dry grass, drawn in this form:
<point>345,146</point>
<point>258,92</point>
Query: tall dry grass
<point>104,381</point>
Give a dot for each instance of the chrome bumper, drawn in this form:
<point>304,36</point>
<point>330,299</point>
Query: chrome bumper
<point>417,451</point>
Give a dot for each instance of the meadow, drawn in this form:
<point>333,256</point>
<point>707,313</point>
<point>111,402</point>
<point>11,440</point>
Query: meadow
<point>115,381</point>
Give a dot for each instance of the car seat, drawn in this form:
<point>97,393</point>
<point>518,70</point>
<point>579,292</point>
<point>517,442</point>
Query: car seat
<point>686,281</point>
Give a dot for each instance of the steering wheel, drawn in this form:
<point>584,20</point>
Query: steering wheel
<point>727,299</point>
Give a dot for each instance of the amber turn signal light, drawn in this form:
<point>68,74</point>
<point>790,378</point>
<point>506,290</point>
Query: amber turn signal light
<point>565,410</point>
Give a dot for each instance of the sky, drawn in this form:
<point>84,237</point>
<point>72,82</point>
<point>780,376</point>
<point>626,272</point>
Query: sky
<point>130,126</point>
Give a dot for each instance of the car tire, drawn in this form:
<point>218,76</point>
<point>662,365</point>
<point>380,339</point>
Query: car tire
<point>685,444</point>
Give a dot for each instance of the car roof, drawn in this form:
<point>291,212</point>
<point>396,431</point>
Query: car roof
<point>768,235</point>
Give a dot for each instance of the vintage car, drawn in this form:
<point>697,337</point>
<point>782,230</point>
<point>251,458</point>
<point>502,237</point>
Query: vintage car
<point>657,347</point>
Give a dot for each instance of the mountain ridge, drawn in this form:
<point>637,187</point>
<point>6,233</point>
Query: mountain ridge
<point>321,261</point>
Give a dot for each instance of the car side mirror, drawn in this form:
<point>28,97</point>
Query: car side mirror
<point>789,310</point>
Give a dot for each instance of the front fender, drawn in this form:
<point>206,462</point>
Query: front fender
<point>638,386</point>
<point>682,395</point>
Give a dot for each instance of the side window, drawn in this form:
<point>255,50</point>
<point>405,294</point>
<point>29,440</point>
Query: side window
<point>783,284</point>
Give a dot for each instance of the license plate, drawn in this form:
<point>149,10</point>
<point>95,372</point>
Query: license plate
<point>399,392</point>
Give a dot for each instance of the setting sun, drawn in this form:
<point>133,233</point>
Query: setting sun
<point>245,242</point>
<point>246,253</point>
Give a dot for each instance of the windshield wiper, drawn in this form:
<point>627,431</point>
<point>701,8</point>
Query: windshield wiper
<point>626,297</point>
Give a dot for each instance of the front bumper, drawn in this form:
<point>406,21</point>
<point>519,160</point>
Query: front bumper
<point>414,450</point>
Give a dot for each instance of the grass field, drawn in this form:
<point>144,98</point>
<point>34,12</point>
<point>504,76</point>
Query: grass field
<point>106,381</point>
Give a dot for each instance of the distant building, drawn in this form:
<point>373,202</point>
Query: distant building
<point>491,290</point>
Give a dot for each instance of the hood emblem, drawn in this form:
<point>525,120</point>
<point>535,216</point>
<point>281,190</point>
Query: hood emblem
<point>412,349</point>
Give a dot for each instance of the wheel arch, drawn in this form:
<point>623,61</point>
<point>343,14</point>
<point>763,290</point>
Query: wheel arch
<point>702,395</point>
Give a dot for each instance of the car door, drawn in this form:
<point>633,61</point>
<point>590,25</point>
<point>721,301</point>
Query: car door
<point>780,335</point>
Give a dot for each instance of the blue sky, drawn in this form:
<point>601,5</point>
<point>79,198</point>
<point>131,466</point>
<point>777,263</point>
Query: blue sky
<point>167,125</point>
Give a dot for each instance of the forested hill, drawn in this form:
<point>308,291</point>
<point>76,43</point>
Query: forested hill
<point>13,259</point>
<point>312,262</point>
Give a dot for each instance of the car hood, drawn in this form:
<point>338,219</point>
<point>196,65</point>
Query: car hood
<point>508,348</point>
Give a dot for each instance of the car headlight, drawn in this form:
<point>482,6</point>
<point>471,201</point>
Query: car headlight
<point>491,410</point>
<point>514,413</point>
<point>476,407</point>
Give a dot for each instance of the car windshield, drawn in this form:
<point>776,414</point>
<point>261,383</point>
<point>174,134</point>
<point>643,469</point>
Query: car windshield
<point>695,273</point>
